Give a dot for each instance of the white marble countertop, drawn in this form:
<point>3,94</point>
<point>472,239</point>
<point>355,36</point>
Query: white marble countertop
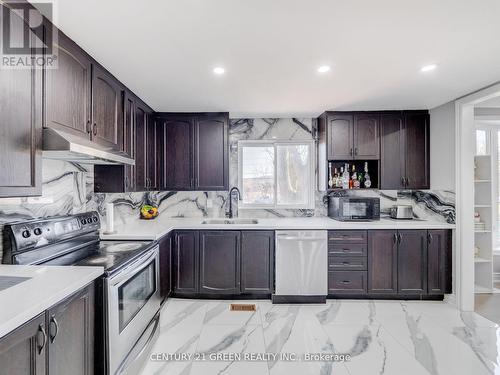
<point>46,287</point>
<point>157,228</point>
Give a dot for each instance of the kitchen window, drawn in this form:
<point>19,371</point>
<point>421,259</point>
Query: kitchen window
<point>276,174</point>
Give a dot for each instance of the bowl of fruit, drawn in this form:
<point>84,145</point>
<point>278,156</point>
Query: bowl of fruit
<point>149,212</point>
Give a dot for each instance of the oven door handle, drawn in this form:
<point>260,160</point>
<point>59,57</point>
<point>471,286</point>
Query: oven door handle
<point>134,268</point>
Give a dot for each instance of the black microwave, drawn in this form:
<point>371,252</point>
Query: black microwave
<point>353,208</point>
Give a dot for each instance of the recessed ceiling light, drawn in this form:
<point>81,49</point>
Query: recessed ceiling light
<point>323,69</point>
<point>219,70</point>
<point>428,68</point>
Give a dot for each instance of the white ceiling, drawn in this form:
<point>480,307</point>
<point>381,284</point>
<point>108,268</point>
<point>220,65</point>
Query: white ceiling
<point>165,50</point>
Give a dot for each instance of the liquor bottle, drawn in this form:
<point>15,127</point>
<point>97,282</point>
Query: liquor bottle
<point>355,181</point>
<point>352,177</point>
<point>339,178</point>
<point>345,177</point>
<point>367,182</point>
<point>330,176</point>
<point>335,178</point>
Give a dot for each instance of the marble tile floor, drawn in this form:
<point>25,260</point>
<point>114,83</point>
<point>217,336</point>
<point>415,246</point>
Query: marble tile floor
<point>374,337</point>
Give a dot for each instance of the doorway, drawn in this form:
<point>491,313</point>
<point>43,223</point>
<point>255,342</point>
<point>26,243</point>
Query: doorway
<point>467,183</point>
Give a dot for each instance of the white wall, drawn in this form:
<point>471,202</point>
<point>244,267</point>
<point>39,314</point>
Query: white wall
<point>442,147</point>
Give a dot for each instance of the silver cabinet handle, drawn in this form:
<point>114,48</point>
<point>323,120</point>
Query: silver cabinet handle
<point>41,329</point>
<point>53,320</point>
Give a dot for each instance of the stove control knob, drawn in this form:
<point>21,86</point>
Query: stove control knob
<point>37,231</point>
<point>89,220</point>
<point>95,219</point>
<point>83,221</point>
<point>26,233</point>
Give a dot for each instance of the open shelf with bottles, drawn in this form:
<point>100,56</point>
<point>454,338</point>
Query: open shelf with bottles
<point>359,165</point>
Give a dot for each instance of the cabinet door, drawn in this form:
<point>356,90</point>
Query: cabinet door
<point>107,127</point>
<point>340,137</point>
<point>140,149</point>
<point>67,89</point>
<point>129,134</point>
<point>151,160</point>
<point>23,351</point>
<point>220,262</point>
<point>366,137</point>
<point>21,122</point>
<point>161,153</point>
<point>71,334</point>
<point>392,160</point>
<point>165,265</point>
<point>439,261</point>
<point>417,150</point>
<point>186,260</point>
<point>179,148</point>
<point>257,262</point>
<point>412,261</point>
<point>211,153</point>
<point>382,262</point>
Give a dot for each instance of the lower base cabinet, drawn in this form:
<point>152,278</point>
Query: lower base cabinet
<point>165,244</point>
<point>60,339</point>
<point>224,262</point>
<point>399,263</point>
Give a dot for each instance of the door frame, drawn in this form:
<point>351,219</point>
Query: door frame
<point>465,145</point>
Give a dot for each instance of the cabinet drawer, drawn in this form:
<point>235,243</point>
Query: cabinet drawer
<point>347,249</point>
<point>350,236</point>
<point>347,263</point>
<point>347,282</point>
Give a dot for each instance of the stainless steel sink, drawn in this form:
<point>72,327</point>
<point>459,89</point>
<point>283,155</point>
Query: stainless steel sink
<point>230,221</point>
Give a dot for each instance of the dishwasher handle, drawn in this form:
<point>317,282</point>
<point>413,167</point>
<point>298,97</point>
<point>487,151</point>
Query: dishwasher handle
<point>284,237</point>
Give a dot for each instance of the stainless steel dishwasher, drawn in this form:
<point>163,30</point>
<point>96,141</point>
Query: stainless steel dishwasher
<point>301,266</point>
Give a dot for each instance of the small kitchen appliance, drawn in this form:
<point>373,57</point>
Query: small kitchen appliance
<point>353,208</point>
<point>402,212</point>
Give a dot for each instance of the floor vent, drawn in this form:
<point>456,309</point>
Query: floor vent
<point>243,307</point>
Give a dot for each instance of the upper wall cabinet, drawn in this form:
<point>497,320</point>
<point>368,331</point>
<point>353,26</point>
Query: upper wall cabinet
<point>352,135</point>
<point>405,150</point>
<point>67,89</point>
<point>20,123</point>
<point>196,151</point>
<point>107,126</point>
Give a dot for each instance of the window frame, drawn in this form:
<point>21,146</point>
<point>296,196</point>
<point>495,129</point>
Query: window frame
<point>275,143</point>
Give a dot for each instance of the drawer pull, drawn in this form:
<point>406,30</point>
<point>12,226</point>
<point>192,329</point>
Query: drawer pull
<point>345,250</point>
<point>345,263</point>
<point>346,282</point>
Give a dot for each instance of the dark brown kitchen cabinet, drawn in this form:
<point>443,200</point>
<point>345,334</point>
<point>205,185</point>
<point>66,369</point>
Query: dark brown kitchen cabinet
<point>392,149</point>
<point>67,89</point>
<point>58,339</point>
<point>340,136</point>
<point>404,160</point>
<point>352,135</point>
<point>211,152</point>
<point>366,136</point>
<point>165,244</point>
<point>145,140</point>
<point>257,262</point>
<point>382,262</point>
<point>161,152</point>
<point>196,151</point>
<point>179,153</point>
<point>186,262</point>
<point>412,261</point>
<point>23,351</point>
<point>21,121</point>
<point>107,126</point>
<point>120,178</point>
<point>417,150</point>
<point>220,262</point>
<point>71,334</point>
<point>439,261</point>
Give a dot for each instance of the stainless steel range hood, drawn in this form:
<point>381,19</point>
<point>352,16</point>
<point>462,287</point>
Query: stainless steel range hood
<point>61,145</point>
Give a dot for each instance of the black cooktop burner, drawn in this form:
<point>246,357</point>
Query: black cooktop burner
<point>112,254</point>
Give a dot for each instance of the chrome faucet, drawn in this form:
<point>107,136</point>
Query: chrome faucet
<point>229,213</point>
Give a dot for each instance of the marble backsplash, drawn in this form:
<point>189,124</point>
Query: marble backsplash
<point>68,188</point>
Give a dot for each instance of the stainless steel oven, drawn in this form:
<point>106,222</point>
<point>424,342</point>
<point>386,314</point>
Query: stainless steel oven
<point>133,301</point>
